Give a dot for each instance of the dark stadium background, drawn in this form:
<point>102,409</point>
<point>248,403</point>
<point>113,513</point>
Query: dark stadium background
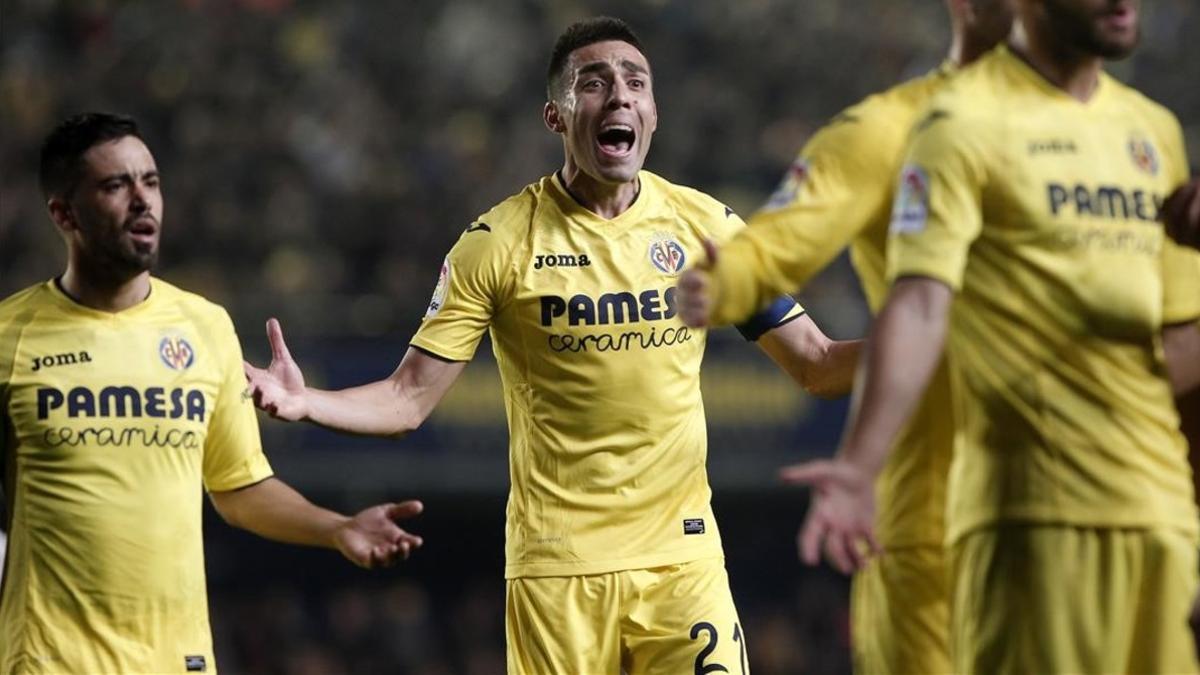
<point>319,159</point>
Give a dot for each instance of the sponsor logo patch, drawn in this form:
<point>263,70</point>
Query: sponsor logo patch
<point>176,352</point>
<point>911,209</point>
<point>790,186</point>
<point>693,526</point>
<point>439,291</point>
<point>667,255</point>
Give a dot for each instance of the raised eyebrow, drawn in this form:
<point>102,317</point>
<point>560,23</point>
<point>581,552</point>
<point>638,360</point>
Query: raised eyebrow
<point>593,67</point>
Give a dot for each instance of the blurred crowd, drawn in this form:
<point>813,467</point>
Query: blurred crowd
<point>320,158</point>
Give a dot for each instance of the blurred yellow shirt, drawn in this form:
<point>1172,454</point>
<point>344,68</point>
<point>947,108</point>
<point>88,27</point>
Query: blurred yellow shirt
<point>601,378</point>
<point>1041,212</point>
<point>838,193</point>
<point>111,425</point>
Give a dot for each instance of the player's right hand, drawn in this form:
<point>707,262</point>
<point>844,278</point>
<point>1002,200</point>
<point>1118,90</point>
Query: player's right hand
<point>695,290</point>
<point>1181,214</point>
<point>279,389</point>
<point>841,516</point>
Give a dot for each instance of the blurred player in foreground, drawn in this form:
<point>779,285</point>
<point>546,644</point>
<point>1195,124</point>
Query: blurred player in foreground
<point>1182,214</point>
<point>1030,200</point>
<point>838,193</point>
<point>120,395</point>
<point>614,560</point>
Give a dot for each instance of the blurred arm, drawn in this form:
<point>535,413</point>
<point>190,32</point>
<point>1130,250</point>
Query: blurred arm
<point>272,509</point>
<point>1181,345</point>
<point>823,367</point>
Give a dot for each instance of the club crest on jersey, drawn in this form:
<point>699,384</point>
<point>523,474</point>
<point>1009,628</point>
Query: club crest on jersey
<point>176,352</point>
<point>912,201</point>
<point>667,255</point>
<point>789,187</point>
<point>439,291</point>
<point>1143,155</point>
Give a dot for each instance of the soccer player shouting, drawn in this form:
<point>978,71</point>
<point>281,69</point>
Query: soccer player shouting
<point>120,395</point>
<point>1025,230</point>
<point>838,193</point>
<point>614,560</point>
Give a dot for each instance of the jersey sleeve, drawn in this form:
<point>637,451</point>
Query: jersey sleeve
<point>467,295</point>
<point>937,212</point>
<point>1181,267</point>
<point>233,454</point>
<point>781,309</point>
<point>825,199</point>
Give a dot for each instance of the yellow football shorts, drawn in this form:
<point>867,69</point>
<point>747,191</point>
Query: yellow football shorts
<point>672,619</point>
<point>900,613</point>
<point>1031,598</point>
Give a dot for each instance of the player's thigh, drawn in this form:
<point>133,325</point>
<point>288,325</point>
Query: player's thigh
<point>900,613</point>
<point>681,619</point>
<point>1162,640</point>
<point>563,625</point>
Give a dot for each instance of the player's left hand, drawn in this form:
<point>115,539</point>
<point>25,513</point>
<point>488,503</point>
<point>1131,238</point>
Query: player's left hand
<point>1181,214</point>
<point>372,539</point>
<point>695,290</point>
<point>841,517</point>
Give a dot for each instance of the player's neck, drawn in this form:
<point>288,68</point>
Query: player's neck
<point>103,292</point>
<point>607,200</point>
<point>1074,71</point>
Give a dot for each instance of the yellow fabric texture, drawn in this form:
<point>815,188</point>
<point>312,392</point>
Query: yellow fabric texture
<point>601,378</point>
<point>113,423</point>
<point>1056,599</point>
<point>670,619</point>
<point>1040,211</point>
<point>900,613</point>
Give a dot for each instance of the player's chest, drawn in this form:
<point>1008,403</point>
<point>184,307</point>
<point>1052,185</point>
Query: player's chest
<point>1092,176</point>
<point>86,385</point>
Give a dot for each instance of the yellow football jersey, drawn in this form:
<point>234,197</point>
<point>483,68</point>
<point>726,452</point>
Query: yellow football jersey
<point>601,378</point>
<point>838,193</point>
<point>1041,212</point>
<point>111,424</point>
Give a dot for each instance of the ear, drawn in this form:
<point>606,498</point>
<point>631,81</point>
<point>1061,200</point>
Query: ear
<point>553,118</point>
<point>61,214</point>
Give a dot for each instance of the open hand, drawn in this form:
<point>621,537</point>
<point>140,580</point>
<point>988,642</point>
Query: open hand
<point>279,389</point>
<point>372,538</point>
<point>695,290</point>
<point>841,517</point>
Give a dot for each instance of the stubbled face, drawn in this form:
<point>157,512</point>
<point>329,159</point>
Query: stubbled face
<point>1106,28</point>
<point>607,113</point>
<point>116,208</point>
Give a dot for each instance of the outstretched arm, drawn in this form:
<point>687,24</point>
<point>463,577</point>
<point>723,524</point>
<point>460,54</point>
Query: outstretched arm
<point>902,353</point>
<point>1181,347</point>
<point>272,509</point>
<point>390,407</point>
<point>823,367</point>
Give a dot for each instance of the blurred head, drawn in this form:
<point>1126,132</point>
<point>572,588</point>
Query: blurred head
<point>1104,28</point>
<point>979,25</point>
<point>101,187</point>
<point>601,100</point>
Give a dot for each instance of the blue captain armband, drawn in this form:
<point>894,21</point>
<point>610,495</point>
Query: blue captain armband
<point>779,312</point>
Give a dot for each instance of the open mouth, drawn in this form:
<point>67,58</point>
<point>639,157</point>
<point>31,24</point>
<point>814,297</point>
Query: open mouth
<point>1122,16</point>
<point>616,139</point>
<point>143,230</point>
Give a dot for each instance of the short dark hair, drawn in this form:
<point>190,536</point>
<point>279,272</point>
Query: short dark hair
<point>581,34</point>
<point>58,171</point>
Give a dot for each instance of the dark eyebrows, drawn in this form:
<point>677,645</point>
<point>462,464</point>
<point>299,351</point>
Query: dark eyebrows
<point>597,66</point>
<point>127,177</point>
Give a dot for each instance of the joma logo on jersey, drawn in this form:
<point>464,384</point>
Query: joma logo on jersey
<point>123,401</point>
<point>1104,201</point>
<point>54,360</point>
<point>1054,146</point>
<point>561,260</point>
<point>610,308</point>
